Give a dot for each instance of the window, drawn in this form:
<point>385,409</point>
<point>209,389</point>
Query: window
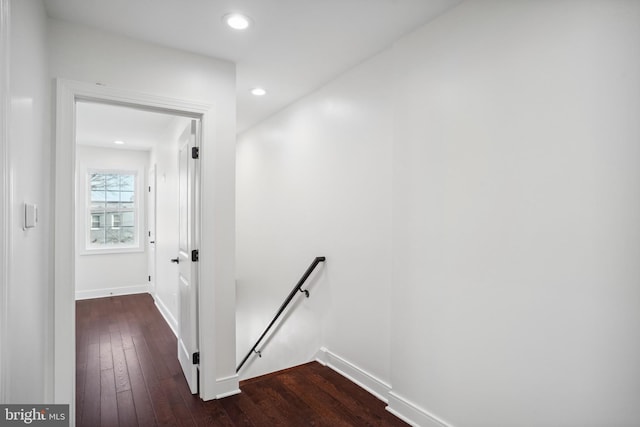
<point>97,221</point>
<point>115,221</point>
<point>112,210</point>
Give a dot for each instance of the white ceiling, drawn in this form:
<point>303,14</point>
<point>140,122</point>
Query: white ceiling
<point>294,46</point>
<point>99,125</point>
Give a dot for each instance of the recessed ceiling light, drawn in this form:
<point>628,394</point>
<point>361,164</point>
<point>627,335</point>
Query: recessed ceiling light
<point>237,21</point>
<point>258,91</point>
<point>118,142</point>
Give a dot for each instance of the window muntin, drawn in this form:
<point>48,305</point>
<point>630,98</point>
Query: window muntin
<point>113,210</point>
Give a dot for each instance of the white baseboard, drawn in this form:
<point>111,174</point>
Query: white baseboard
<point>397,405</point>
<point>413,414</point>
<point>111,292</point>
<point>168,317</point>
<point>230,384</point>
<point>364,379</point>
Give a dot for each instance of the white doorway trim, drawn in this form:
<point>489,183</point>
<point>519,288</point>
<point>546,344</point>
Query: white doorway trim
<point>5,228</point>
<point>150,232</point>
<point>67,93</point>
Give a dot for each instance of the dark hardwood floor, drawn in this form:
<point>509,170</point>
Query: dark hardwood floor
<point>128,375</point>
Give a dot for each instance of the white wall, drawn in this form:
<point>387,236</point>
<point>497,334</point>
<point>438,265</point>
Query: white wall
<point>516,215</point>
<point>104,274</point>
<point>315,180</point>
<point>86,55</point>
<point>29,287</point>
<point>513,298</point>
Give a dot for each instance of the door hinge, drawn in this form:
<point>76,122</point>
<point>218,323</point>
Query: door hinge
<point>196,358</point>
<point>195,152</point>
<point>149,189</point>
<point>195,255</point>
<point>149,278</point>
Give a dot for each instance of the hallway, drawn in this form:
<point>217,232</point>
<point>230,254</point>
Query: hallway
<point>471,172</point>
<point>128,374</point>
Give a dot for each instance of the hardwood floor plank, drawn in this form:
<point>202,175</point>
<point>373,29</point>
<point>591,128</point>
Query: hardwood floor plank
<point>182,415</point>
<point>106,358</point>
<point>142,402</point>
<point>126,409</point>
<point>157,360</point>
<point>280,402</point>
<point>241,411</point>
<point>161,406</point>
<point>81,365</point>
<point>298,406</point>
<point>125,330</point>
<point>90,415</point>
<point>119,363</point>
<point>216,416</point>
<point>108,401</point>
<point>245,403</point>
<point>193,403</point>
<point>180,410</point>
<point>80,382</point>
<point>145,359</point>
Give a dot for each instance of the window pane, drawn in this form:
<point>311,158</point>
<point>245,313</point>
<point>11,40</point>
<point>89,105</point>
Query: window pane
<point>113,197</point>
<point>97,236</point>
<point>127,235</point>
<point>127,196</point>
<point>113,236</point>
<point>127,219</point>
<point>98,195</point>
<point>113,181</point>
<point>97,181</point>
<point>127,183</point>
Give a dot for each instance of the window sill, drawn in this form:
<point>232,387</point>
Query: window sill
<point>111,251</point>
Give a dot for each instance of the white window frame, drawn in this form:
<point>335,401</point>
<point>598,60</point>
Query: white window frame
<point>138,212</point>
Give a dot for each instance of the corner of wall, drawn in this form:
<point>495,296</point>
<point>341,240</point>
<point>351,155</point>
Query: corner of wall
<point>399,406</point>
<point>228,386</point>
<point>411,413</point>
<point>355,374</point>
<point>166,313</point>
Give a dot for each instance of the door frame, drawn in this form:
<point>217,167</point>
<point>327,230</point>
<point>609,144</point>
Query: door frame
<point>151,213</point>
<point>67,93</point>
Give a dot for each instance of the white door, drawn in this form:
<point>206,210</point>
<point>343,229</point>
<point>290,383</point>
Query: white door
<point>151,232</point>
<point>187,257</point>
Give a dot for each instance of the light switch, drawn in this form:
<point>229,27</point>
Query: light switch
<point>30,215</point>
